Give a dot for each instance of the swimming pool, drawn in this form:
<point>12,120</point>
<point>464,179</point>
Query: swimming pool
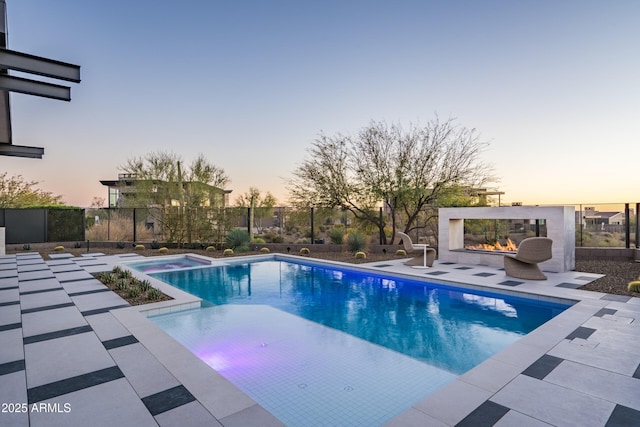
<point>324,346</point>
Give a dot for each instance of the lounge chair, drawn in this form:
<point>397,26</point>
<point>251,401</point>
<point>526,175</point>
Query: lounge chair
<point>524,264</point>
<point>428,256</point>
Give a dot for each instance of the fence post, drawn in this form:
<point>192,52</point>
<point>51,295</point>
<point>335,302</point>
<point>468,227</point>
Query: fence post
<point>312,237</point>
<point>627,227</point>
<point>380,227</point>
<point>134,226</point>
<point>249,220</point>
<point>637,226</point>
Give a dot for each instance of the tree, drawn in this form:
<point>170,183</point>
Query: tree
<point>16,192</point>
<point>405,170</point>
<point>179,194</point>
<point>263,205</point>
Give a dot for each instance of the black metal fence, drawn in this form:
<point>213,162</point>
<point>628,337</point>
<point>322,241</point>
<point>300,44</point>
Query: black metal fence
<point>42,225</point>
<point>601,225</point>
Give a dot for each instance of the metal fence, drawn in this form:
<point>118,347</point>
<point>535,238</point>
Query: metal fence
<point>596,225</point>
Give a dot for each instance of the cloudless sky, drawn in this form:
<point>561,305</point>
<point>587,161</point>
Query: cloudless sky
<point>553,86</point>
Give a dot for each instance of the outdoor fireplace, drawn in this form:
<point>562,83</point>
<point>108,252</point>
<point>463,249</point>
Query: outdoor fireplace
<point>457,244</point>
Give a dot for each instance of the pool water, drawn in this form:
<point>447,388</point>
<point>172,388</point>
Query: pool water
<point>167,263</point>
<point>316,345</point>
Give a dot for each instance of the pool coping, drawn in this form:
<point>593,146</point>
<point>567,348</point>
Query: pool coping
<point>448,406</point>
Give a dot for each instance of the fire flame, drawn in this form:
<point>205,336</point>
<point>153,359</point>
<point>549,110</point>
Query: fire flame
<point>510,245</point>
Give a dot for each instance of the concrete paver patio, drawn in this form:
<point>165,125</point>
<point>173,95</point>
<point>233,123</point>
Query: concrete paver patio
<point>74,353</point>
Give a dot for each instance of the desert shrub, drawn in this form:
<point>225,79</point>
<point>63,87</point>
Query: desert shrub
<point>273,238</point>
<point>356,241</point>
<point>227,252</point>
<point>336,235</point>
<point>163,250</point>
<point>155,245</point>
<point>361,255</point>
<point>304,251</point>
<point>134,292</point>
<point>210,249</point>
<point>144,285</point>
<point>26,247</point>
<point>122,284</point>
<point>634,286</point>
<point>154,294</point>
<point>77,245</point>
<point>139,247</point>
<point>238,239</point>
<point>120,245</point>
<point>58,249</point>
<point>401,252</point>
<point>265,250</point>
<point>259,240</point>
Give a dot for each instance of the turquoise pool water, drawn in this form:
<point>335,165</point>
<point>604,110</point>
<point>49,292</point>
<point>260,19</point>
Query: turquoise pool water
<point>317,345</point>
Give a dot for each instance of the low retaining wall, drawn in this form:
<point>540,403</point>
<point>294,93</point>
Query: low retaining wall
<point>608,254</point>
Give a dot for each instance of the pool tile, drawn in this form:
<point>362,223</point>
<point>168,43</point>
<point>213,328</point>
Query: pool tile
<point>623,416</point>
<point>91,302</point>
<point>33,267</point>
<point>41,284</point>
<point>484,274</point>
<point>510,283</point>
<point>73,276</point>
<point>11,348</point>
<point>189,414</point>
<point>147,376</point>
<point>9,282</point>
<point>168,399</point>
<point>252,416</point>
<point>542,367</point>
<point>109,403</point>
<point>40,300</point>
<point>35,275</point>
<point>83,285</point>
<point>71,384</point>
<point>581,332</point>
<point>57,334</point>
<point>514,418</point>
<point>13,389</point>
<point>6,274</point>
<point>119,342</point>
<point>10,315</point>
<point>569,285</point>
<point>107,327</point>
<point>604,384</point>
<point>486,414</point>
<point>453,402</point>
<point>553,404</point>
<point>11,367</point>
<point>618,298</point>
<point>68,361</point>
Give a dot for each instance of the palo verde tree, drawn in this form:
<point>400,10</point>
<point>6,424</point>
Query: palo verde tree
<point>16,192</point>
<point>407,170</point>
<point>180,193</point>
<point>262,205</point>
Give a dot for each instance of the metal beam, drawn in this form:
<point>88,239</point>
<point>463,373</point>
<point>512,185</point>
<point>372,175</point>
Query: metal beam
<point>21,151</point>
<point>38,65</point>
<point>33,87</point>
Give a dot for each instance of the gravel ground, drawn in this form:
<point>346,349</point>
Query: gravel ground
<point>618,274</point>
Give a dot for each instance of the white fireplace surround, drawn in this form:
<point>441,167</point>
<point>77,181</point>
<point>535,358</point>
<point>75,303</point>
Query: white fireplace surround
<point>561,228</point>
